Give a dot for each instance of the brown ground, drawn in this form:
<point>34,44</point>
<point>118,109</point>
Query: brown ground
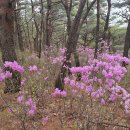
<point>9,121</point>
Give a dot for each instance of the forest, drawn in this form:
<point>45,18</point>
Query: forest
<point>64,65</point>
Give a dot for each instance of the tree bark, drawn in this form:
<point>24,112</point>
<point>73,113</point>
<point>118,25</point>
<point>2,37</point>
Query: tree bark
<point>97,29</point>
<point>49,23</point>
<point>68,6</point>
<point>18,27</point>
<point>107,19</point>
<point>7,43</point>
<point>127,42</point>
<point>105,35</point>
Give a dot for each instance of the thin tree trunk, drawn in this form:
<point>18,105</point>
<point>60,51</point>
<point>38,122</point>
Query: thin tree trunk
<point>105,34</point>
<point>28,32</point>
<point>49,23</point>
<point>18,27</point>
<point>127,42</point>
<point>41,30</point>
<point>36,37</point>
<point>68,6</point>
<point>107,19</point>
<point>97,29</point>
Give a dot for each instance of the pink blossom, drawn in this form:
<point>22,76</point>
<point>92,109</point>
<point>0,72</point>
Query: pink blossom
<point>103,102</point>
<point>59,93</point>
<point>29,102</point>
<point>8,74</point>
<point>66,80</point>
<point>89,89</point>
<point>63,93</point>
<point>46,78</point>
<point>2,77</point>
<point>32,107</point>
<point>14,66</point>
<point>45,120</point>
<point>72,83</point>
<point>23,82</point>
<point>56,93</point>
<point>127,107</point>
<point>62,50</point>
<point>20,99</point>
<point>74,91</point>
<point>31,112</point>
<point>98,93</point>
<point>33,68</point>
<point>113,97</point>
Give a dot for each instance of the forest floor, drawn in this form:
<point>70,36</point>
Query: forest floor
<point>63,113</point>
<point>10,121</point>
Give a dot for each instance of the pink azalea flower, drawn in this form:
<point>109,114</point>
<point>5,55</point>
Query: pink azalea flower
<point>31,112</point>
<point>2,77</point>
<point>33,68</point>
<point>63,93</point>
<point>29,102</point>
<point>103,102</point>
<point>8,74</point>
<point>20,99</point>
<point>14,66</point>
<point>74,91</point>
<point>45,120</point>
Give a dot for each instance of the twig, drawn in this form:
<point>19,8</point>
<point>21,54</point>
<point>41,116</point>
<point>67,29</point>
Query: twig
<point>10,107</point>
<point>112,124</point>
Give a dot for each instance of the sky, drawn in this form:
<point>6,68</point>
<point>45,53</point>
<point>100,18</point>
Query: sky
<point>117,18</point>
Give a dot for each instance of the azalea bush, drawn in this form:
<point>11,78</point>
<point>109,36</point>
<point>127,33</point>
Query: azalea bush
<point>100,79</point>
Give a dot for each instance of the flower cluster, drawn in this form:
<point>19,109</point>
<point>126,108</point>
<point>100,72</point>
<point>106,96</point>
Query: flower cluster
<point>59,93</point>
<point>45,120</point>
<point>31,105</point>
<point>100,79</point>
<point>14,66</point>
<point>23,82</point>
<point>20,99</point>
<point>33,68</point>
<point>5,75</point>
<point>85,54</point>
<point>60,58</point>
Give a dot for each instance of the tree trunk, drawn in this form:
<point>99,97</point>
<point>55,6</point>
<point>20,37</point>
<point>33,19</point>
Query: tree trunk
<point>68,5</point>
<point>7,42</point>
<point>97,29</point>
<point>107,19</point>
<point>127,42</point>
<point>49,23</point>
<point>70,45</point>
<point>18,27</point>
<point>106,32</point>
